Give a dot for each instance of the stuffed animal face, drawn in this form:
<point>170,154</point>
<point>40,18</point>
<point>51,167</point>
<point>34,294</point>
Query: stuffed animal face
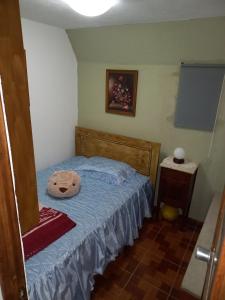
<point>63,184</point>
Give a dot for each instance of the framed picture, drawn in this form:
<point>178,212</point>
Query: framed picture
<point>121,92</point>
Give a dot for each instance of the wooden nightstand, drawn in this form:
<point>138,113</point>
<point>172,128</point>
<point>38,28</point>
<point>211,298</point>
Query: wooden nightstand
<point>176,184</point>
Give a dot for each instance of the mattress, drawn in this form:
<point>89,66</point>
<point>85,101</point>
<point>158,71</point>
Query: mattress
<point>107,216</point>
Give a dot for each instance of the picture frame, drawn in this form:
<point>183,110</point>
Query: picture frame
<point>121,92</point>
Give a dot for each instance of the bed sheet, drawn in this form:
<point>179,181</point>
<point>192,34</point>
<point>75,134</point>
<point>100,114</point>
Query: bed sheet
<point>108,217</point>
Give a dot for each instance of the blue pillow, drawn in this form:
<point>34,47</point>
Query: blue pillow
<point>71,163</point>
<point>107,170</point>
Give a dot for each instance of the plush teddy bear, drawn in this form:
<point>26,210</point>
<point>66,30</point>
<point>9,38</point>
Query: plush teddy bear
<point>63,184</point>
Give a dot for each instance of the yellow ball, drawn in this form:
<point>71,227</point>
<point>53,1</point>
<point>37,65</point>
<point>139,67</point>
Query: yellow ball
<point>169,213</point>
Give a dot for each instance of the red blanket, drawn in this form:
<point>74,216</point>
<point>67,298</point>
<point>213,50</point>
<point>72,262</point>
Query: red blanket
<point>51,226</point>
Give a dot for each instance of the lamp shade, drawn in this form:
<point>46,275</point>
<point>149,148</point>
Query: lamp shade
<point>91,8</point>
<point>179,155</point>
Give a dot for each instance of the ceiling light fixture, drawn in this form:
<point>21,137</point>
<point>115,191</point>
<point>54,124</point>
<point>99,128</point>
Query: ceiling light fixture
<point>91,8</point>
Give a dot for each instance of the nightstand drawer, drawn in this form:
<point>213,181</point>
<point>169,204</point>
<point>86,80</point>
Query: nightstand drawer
<point>170,174</point>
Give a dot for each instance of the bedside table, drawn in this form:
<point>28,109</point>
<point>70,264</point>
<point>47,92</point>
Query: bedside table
<point>176,184</point>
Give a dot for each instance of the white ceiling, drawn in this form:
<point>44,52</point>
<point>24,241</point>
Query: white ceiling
<point>57,13</point>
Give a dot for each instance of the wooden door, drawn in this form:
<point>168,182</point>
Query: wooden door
<point>214,288</point>
<point>12,279</point>
<point>16,99</point>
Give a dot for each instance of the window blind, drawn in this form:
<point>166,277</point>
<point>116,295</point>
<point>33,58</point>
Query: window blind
<point>198,95</point>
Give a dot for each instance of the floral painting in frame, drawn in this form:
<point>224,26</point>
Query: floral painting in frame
<point>121,91</point>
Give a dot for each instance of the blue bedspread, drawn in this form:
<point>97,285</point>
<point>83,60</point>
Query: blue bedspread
<point>107,217</point>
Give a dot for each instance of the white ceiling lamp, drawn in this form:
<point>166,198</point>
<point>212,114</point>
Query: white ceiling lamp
<point>91,8</point>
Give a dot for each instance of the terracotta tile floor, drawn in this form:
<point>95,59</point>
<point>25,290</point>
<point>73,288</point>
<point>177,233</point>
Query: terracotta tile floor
<point>153,268</point>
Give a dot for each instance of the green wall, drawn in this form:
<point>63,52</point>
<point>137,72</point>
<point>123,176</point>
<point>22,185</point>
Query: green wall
<point>155,50</point>
<point>160,43</point>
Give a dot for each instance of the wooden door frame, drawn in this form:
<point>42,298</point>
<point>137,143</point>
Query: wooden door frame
<point>13,73</point>
<point>217,289</point>
<point>12,274</point>
<point>17,190</point>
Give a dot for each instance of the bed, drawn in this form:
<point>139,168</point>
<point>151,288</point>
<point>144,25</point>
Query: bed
<point>108,216</point>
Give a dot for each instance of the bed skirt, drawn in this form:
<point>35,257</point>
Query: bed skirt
<point>74,278</point>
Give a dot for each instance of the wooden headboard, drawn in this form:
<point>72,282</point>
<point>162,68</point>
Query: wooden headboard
<point>140,154</point>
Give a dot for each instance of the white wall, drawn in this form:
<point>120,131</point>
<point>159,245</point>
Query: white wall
<point>1,294</point>
<point>52,78</point>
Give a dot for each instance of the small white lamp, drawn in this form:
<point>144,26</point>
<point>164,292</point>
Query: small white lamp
<point>179,155</point>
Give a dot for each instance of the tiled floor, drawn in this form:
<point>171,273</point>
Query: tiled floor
<point>154,267</point>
